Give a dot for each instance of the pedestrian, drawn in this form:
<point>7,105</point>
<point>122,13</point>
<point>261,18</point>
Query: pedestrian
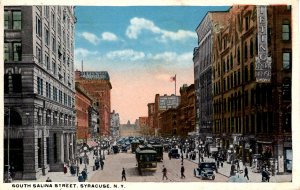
<point>80,178</point>
<point>84,175</point>
<point>101,164</point>
<point>164,171</point>
<point>246,172</point>
<point>48,179</point>
<point>80,160</point>
<point>182,171</point>
<point>238,165</point>
<point>218,163</point>
<point>170,155</point>
<point>65,168</point>
<point>222,164</point>
<point>123,174</point>
<point>232,173</point>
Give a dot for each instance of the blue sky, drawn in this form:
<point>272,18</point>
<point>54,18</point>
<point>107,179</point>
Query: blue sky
<point>141,47</point>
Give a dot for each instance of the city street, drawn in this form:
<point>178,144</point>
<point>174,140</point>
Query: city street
<point>115,162</point>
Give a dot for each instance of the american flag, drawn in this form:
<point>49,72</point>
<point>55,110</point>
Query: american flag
<point>172,79</point>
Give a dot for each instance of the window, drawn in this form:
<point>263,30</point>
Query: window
<point>17,20</point>
<point>53,67</point>
<point>251,48</point>
<point>47,11</point>
<point>6,20</point>
<point>53,20</point>
<point>6,81</point>
<point>47,36</point>
<point>246,51</point>
<point>287,122</point>
<point>251,71</point>
<point>238,55</point>
<point>17,83</point>
<point>39,54</point>
<point>247,22</point>
<point>47,62</point>
<point>286,60</point>
<point>60,96</point>
<point>246,74</point>
<point>6,51</point>
<point>17,51</point>
<point>40,85</point>
<point>54,93</point>
<point>286,30</point>
<point>53,43</point>
<point>65,99</point>
<point>38,26</point>
<point>47,89</point>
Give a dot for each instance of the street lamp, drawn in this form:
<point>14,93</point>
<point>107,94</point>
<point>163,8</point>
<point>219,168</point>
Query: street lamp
<point>8,179</point>
<point>85,157</point>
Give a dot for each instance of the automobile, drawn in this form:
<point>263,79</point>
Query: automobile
<point>205,170</point>
<point>174,153</point>
<point>115,149</point>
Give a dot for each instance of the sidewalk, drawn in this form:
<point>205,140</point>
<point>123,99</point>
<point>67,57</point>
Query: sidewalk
<point>253,177</point>
<point>61,177</point>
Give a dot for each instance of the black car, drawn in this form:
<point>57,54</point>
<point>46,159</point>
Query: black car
<point>116,149</point>
<point>205,170</point>
<point>174,153</point>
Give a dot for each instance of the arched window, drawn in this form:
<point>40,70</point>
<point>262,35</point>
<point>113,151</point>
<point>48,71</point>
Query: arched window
<point>246,51</point>
<point>13,118</point>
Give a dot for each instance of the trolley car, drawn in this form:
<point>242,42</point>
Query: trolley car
<point>146,158</point>
<point>134,145</point>
<point>159,151</point>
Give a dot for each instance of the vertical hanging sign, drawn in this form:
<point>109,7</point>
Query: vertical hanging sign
<point>263,62</point>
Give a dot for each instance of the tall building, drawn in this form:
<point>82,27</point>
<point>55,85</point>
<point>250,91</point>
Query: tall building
<point>115,124</point>
<point>39,89</point>
<point>202,59</point>
<point>252,83</point>
<point>161,104</point>
<point>97,84</point>
<point>179,120</point>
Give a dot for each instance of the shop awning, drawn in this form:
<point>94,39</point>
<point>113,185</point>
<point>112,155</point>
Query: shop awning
<point>91,144</point>
<point>264,142</point>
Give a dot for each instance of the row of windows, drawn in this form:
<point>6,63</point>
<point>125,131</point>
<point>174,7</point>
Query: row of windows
<point>261,122</point>
<point>234,79</point>
<point>57,95</point>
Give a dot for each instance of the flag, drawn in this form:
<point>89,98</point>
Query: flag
<point>172,79</point>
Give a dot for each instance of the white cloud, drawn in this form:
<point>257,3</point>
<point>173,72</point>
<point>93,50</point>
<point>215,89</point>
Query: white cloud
<point>127,54</point>
<point>179,35</point>
<point>137,25</point>
<point>108,36</point>
<point>92,38</point>
<point>81,52</point>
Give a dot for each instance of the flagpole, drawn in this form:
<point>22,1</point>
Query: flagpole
<point>175,85</point>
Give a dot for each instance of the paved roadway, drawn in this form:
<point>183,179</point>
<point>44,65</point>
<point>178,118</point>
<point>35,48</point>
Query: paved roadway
<point>115,162</point>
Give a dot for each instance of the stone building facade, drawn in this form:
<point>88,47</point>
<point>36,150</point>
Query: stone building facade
<point>252,109</point>
<point>97,84</point>
<point>202,59</point>
<point>39,88</point>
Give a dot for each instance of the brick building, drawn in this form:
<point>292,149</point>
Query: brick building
<point>39,89</point>
<point>84,114</point>
<point>151,107</point>
<point>143,124</point>
<point>252,83</point>
<point>97,84</point>
<point>161,104</point>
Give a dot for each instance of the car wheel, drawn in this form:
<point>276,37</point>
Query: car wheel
<point>213,177</point>
<point>194,173</point>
